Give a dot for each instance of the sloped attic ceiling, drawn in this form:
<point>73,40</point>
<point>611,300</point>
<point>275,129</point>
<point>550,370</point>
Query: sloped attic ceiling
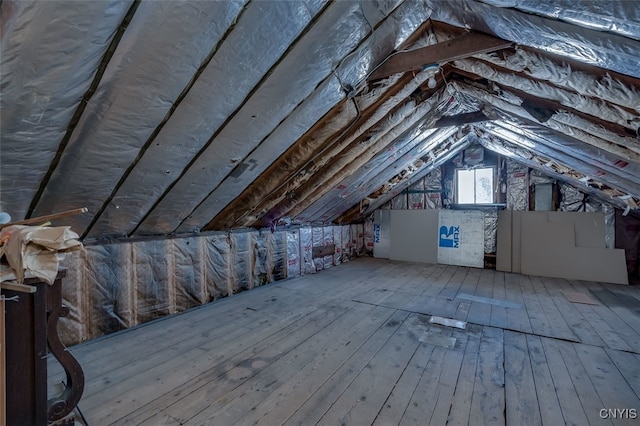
<point>172,117</point>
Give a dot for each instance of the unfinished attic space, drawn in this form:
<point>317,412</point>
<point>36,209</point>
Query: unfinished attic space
<point>399,212</point>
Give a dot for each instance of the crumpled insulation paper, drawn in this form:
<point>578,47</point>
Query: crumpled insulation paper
<point>32,251</point>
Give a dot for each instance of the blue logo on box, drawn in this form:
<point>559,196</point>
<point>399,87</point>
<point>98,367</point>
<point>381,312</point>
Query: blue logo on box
<point>449,237</point>
<point>376,233</point>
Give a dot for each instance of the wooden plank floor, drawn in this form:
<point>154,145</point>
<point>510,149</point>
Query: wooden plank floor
<point>353,345</point>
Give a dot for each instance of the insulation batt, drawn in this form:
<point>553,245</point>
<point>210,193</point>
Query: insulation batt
<point>111,287</point>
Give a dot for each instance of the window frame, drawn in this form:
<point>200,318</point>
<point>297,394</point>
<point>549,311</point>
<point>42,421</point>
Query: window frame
<point>475,182</point>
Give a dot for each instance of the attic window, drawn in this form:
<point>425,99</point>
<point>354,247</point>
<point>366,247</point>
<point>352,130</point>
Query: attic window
<point>474,186</point>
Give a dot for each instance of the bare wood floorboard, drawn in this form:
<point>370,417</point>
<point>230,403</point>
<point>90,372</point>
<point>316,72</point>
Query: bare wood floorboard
<point>353,345</point>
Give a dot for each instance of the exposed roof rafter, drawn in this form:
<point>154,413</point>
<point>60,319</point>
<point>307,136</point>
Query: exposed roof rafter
<point>466,45</point>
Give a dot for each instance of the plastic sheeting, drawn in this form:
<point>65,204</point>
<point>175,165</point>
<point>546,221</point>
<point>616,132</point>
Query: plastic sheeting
<point>327,236</point>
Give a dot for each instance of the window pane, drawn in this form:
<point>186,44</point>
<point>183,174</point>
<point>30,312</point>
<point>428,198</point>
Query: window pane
<point>484,186</point>
<point>465,186</point>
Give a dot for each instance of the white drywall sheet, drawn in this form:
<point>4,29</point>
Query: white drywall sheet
<point>414,235</point>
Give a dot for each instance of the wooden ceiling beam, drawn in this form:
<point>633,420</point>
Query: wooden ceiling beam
<point>460,119</point>
<point>460,47</point>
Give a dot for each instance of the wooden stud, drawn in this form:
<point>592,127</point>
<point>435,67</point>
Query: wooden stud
<point>469,44</point>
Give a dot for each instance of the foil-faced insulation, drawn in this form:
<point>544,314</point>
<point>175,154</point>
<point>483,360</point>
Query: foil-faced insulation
<point>148,72</point>
<point>368,234</point>
<point>306,251</point>
<point>219,261</point>
<point>189,272</point>
<point>327,237</point>
<point>399,202</point>
<point>338,31</point>
<point>43,80</point>
<point>337,240</point>
<point>536,177</point>
<point>416,195</point>
<point>242,255</point>
<point>294,263</point>
<point>346,243</point>
<point>574,200</point>
<point>433,186</point>
<point>602,49</point>
<point>112,299</point>
<point>318,241</point>
<point>152,274</point>
<point>517,186</point>
<point>490,230</point>
<point>111,287</point>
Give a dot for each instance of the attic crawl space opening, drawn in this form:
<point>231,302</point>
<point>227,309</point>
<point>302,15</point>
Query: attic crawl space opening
<point>221,145</point>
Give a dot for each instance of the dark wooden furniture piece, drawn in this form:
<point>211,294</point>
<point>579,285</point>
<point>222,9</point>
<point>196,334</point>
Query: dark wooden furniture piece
<point>31,327</point>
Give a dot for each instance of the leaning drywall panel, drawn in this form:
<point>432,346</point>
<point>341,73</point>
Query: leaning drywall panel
<point>188,273</point>
<point>381,233</point>
<point>589,227</point>
<point>461,238</point>
<point>548,249</point>
<point>293,254</point>
<point>414,235</point>
<point>504,235</point>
